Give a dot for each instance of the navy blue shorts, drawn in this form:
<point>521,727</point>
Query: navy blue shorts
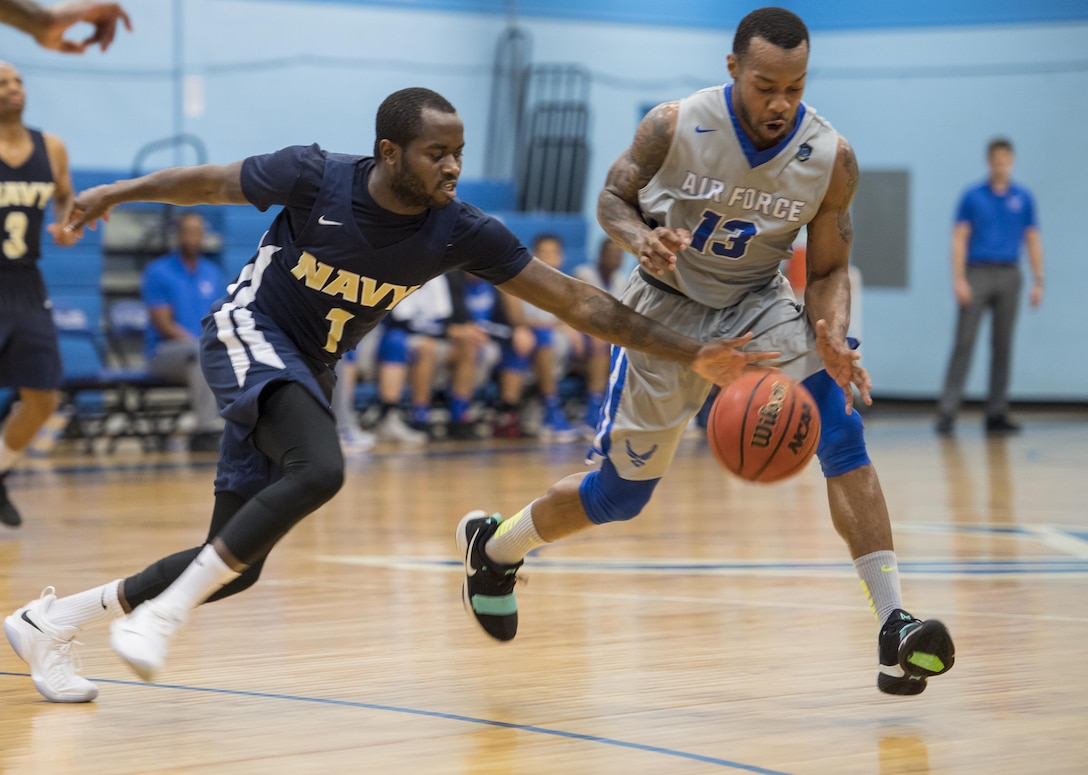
<point>241,356</point>
<point>29,352</point>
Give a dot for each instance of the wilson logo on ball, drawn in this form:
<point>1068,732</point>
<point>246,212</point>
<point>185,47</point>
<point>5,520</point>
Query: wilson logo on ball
<point>768,416</point>
<point>763,426</point>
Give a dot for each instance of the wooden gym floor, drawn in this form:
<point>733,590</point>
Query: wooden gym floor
<point>722,631</point>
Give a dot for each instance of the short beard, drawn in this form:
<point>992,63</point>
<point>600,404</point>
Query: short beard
<point>409,190</point>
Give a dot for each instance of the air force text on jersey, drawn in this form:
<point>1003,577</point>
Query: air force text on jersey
<point>745,198</point>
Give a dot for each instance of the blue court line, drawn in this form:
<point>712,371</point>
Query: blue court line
<point>450,717</point>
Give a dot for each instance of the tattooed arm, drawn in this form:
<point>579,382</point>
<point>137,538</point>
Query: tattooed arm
<point>827,294</point>
<point>592,311</point>
<point>617,205</point>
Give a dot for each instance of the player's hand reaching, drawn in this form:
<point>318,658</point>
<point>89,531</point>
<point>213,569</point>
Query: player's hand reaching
<point>90,205</point>
<point>658,248</point>
<point>843,364</point>
<point>721,362</point>
<point>102,16</point>
<point>62,236</point>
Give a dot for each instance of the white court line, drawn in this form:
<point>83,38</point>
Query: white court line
<point>1059,539</point>
<point>929,569</point>
<point>446,565</point>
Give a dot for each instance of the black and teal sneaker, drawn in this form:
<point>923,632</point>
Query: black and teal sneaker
<point>911,651</point>
<point>488,592</point>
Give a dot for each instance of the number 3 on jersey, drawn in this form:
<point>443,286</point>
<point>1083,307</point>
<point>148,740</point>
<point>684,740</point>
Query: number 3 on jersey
<point>14,235</point>
<point>734,246</point>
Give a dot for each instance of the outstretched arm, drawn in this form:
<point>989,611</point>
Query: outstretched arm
<point>63,194</point>
<point>592,311</point>
<point>47,25</point>
<point>617,205</point>
<point>827,293</point>
<point>205,184</point>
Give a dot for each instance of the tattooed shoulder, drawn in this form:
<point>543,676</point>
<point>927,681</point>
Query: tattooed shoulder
<point>653,138</point>
<point>640,162</point>
<point>849,163</point>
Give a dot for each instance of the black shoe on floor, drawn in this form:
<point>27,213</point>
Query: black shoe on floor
<point>946,426</point>
<point>488,592</point>
<point>1000,425</point>
<point>9,515</point>
<point>910,651</point>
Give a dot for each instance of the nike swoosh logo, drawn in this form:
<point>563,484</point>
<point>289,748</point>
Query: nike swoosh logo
<point>469,570</point>
<point>26,619</point>
<point>326,222</point>
<point>886,569</point>
<point>700,130</point>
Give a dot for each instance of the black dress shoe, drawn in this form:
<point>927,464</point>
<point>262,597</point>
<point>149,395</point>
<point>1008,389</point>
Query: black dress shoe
<point>1001,424</point>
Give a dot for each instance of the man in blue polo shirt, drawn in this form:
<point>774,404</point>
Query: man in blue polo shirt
<point>995,219</point>
<point>179,289</point>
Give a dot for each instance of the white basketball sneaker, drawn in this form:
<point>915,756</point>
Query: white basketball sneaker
<point>48,651</point>
<point>142,638</point>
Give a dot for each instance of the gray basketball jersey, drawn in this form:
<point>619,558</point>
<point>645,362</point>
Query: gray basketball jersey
<point>742,207</point>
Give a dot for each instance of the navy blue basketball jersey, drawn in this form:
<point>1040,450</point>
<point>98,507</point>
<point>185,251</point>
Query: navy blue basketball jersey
<point>25,192</point>
<point>333,263</point>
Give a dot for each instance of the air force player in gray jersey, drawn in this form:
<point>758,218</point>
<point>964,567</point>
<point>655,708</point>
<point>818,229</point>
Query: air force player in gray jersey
<point>710,197</point>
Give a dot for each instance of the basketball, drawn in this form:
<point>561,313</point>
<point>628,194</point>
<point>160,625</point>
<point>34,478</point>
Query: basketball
<point>764,427</point>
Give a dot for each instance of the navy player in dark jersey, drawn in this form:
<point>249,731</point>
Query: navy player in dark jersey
<point>355,236</point>
<point>33,173</point>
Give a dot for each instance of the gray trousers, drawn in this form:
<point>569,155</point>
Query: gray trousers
<point>178,360</point>
<point>994,287</point>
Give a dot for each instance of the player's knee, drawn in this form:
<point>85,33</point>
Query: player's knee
<point>39,404</point>
<point>319,477</point>
<point>606,497</point>
<point>842,436</point>
<point>394,346</point>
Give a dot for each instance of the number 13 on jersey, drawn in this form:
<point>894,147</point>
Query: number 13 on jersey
<point>735,244</point>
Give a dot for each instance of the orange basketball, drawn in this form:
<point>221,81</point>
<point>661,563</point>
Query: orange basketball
<point>763,427</point>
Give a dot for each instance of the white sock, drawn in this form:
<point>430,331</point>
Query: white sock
<point>86,608</point>
<point>879,574</point>
<point>514,539</point>
<point>206,574</point>
<point>8,457</point>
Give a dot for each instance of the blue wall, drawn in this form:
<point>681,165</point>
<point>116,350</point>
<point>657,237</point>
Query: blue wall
<point>919,90</point>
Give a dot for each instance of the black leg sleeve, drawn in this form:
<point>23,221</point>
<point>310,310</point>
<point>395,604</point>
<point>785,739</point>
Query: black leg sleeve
<point>299,434</point>
<point>151,581</point>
